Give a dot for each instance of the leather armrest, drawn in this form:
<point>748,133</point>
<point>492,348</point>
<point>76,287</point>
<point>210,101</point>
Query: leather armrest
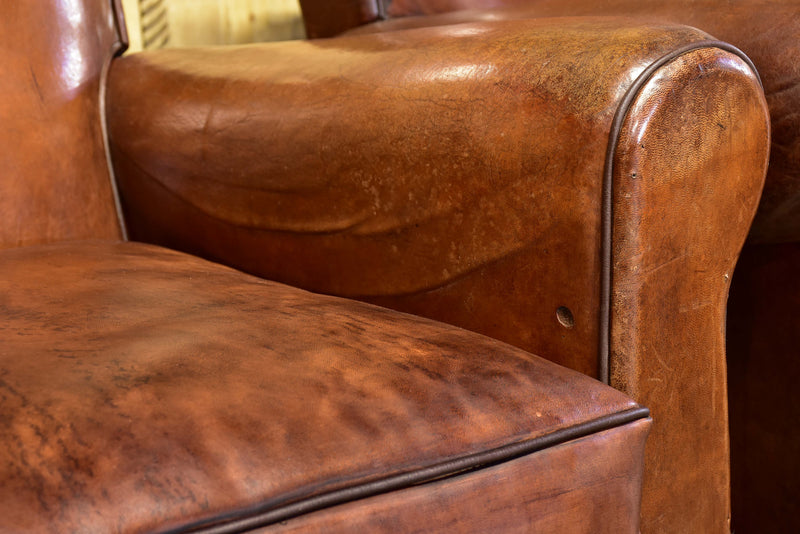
<point>768,31</point>
<point>578,187</point>
<point>454,172</point>
<point>458,162</point>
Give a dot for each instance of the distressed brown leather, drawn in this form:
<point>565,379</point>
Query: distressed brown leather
<point>671,298</point>
<point>468,215</point>
<point>762,334</point>
<point>54,176</point>
<point>768,31</point>
<point>143,389</point>
<point>561,506</point>
<point>763,340</point>
<point>486,206</point>
<point>765,477</point>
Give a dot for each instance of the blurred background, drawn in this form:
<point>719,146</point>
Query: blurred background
<point>177,23</point>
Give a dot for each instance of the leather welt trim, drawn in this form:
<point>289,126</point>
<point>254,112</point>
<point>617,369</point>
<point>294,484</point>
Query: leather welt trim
<point>607,215</point>
<point>246,520</point>
<point>117,49</point>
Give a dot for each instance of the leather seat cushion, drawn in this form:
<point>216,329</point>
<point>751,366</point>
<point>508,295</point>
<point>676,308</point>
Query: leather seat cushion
<point>146,389</point>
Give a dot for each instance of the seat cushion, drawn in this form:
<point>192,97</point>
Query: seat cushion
<point>144,389</point>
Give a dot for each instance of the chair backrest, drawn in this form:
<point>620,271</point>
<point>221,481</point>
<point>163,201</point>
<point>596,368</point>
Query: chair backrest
<point>326,18</point>
<point>55,182</point>
<point>402,8</point>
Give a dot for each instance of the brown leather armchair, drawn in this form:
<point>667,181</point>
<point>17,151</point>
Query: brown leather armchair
<point>763,321</point>
<point>484,170</point>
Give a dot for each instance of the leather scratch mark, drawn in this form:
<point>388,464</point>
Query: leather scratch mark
<point>651,270</point>
<point>695,306</point>
<point>662,362</point>
<point>36,85</point>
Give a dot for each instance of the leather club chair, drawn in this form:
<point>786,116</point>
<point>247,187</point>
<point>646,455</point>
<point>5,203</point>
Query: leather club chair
<point>763,315</point>
<point>587,183</point>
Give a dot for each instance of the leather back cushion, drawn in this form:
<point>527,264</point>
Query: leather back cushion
<point>54,178</point>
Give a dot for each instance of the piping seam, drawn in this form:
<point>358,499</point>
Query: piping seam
<point>607,215</point>
<point>117,49</point>
<point>231,524</point>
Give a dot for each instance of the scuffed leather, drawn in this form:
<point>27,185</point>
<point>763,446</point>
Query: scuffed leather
<point>143,389</point>
<point>463,184</point>
<point>492,500</point>
<point>466,185</point>
<point>768,31</point>
<point>54,175</point>
<point>684,197</point>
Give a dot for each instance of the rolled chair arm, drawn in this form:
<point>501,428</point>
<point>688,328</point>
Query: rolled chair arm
<point>768,31</point>
<point>578,187</point>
